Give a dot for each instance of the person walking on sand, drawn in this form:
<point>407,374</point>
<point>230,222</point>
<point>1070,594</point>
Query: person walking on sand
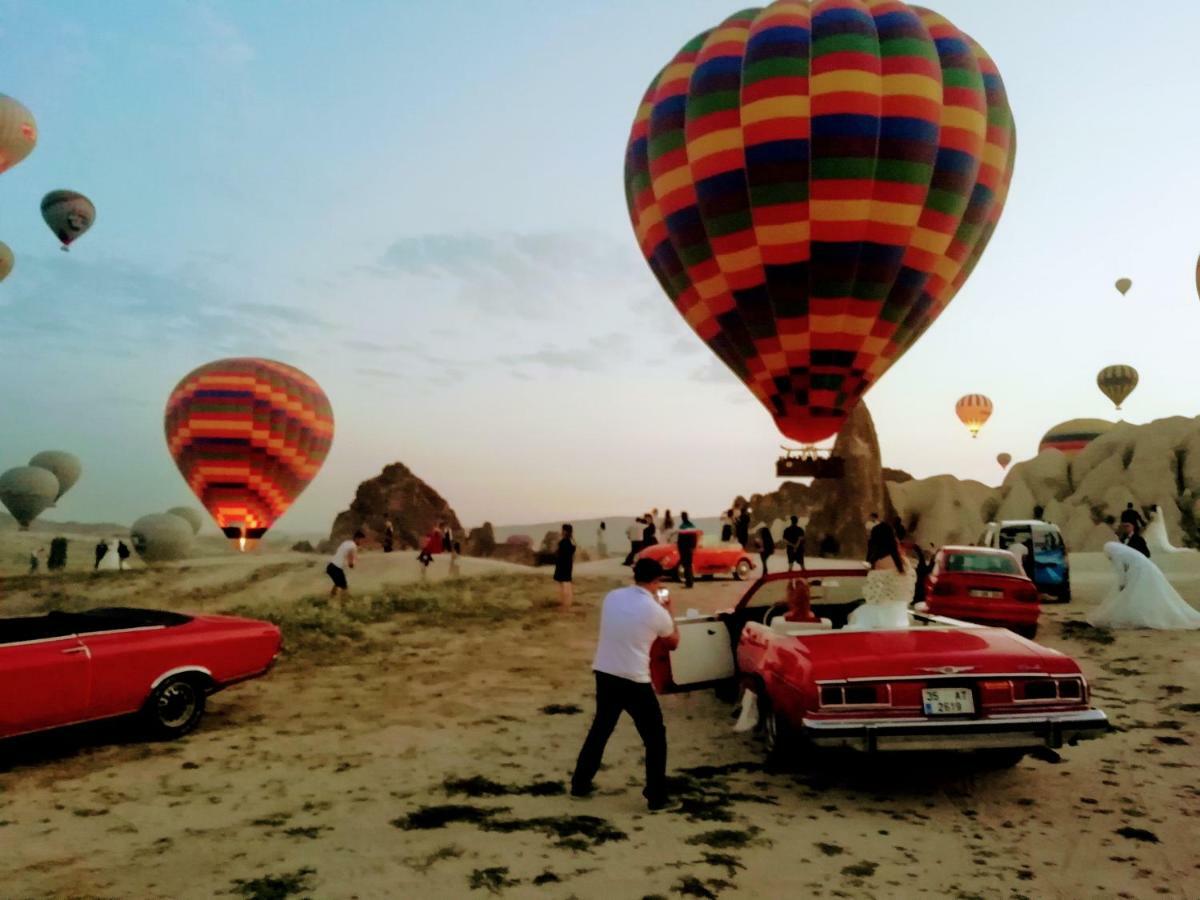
<point>766,548</point>
<point>687,539</point>
<point>432,545</point>
<point>793,540</point>
<point>343,558</point>
<point>101,549</point>
<point>389,536</point>
<point>564,567</point>
<point>602,542</point>
<point>122,555</point>
<point>631,619</point>
<point>634,533</point>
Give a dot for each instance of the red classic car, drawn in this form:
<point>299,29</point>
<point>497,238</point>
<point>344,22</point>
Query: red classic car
<point>985,586</point>
<point>938,684</point>
<point>64,668</point>
<point>723,559</point>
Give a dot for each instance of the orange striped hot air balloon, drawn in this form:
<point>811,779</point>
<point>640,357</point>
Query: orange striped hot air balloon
<point>973,411</point>
<point>812,183</point>
<point>248,435</point>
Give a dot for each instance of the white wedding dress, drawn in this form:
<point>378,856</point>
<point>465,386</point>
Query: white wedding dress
<point>1142,598</point>
<point>110,562</point>
<point>1156,536</point>
<point>888,594</point>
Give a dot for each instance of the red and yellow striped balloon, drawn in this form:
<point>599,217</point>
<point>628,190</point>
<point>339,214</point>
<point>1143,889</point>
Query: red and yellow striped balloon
<point>812,183</point>
<point>973,411</point>
<point>248,436</point>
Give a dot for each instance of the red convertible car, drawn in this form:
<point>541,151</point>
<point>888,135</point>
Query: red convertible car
<point>937,684</point>
<point>723,559</point>
<point>65,668</point>
<point>985,586</point>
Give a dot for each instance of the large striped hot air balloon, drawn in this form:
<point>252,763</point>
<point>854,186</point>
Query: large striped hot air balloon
<point>812,183</point>
<point>1072,436</point>
<point>1117,383</point>
<point>973,410</point>
<point>18,132</point>
<point>248,436</point>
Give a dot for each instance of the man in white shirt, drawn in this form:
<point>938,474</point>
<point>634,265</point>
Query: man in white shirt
<point>343,558</point>
<point>631,619</point>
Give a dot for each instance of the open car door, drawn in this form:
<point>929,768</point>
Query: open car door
<point>704,657</point>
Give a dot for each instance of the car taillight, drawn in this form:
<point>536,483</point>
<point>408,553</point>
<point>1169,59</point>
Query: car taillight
<point>1027,593</point>
<point>854,695</point>
<point>1070,689</point>
<point>943,589</point>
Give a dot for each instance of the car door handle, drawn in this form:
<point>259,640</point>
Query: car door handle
<point>75,650</point>
<point>712,631</point>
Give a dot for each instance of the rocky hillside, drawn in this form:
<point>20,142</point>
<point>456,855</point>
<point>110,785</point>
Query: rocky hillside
<point>395,494</point>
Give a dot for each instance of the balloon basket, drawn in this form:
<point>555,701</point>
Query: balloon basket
<point>809,462</point>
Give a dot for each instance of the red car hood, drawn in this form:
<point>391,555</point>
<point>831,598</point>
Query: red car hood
<point>926,651</point>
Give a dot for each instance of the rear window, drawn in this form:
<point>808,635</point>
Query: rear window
<point>987,563</point>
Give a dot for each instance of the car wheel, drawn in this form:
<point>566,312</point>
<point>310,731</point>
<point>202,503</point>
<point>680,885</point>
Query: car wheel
<point>777,736</point>
<point>176,706</point>
<point>741,570</point>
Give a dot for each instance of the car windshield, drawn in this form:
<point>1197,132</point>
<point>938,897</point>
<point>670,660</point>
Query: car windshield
<point>988,563</point>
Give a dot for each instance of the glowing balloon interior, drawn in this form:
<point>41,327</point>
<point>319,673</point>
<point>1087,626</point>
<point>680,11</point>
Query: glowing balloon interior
<point>812,184</point>
<point>248,436</point>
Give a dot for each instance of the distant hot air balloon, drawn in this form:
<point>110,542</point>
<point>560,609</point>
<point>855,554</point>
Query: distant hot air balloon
<point>69,215</point>
<point>812,184</point>
<point>188,515</point>
<point>27,492</point>
<point>973,411</point>
<point>1004,459</point>
<point>1123,285</point>
<point>66,467</point>
<point>1198,275</point>
<point>6,260</point>
<point>18,132</point>
<point>1117,383</point>
<point>1072,436</point>
<point>161,537</point>
<point>248,436</point>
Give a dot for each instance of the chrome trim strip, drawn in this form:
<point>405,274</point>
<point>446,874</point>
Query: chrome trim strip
<point>86,634</point>
<point>46,640</point>
<point>979,676</point>
<point>178,671</point>
<point>1087,717</point>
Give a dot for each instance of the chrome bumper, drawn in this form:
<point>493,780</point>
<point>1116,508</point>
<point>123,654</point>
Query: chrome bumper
<point>997,732</point>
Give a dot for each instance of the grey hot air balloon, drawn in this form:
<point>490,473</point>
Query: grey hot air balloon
<point>18,132</point>
<point>69,214</point>
<point>66,468</point>
<point>188,515</point>
<point>6,260</point>
<point>161,537</point>
<point>27,492</point>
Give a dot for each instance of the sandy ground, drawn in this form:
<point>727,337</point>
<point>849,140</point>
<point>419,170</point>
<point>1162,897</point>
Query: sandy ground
<point>429,760</point>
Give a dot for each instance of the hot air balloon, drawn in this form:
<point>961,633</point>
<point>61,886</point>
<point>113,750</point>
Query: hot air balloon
<point>1117,383</point>
<point>161,537</point>
<point>66,467</point>
<point>1123,285</point>
<point>248,436</point>
<point>1072,436</point>
<point>1198,275</point>
<point>973,410</point>
<point>189,515</point>
<point>69,215</point>
<point>18,132</point>
<point>27,492</point>
<point>6,260</point>
<point>1004,459</point>
<point>812,184</point>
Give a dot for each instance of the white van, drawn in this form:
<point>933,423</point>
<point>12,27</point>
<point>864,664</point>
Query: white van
<point>1047,563</point>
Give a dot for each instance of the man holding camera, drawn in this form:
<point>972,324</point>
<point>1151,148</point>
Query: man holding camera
<point>631,619</point>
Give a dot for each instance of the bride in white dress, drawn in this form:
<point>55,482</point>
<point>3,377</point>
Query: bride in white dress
<point>1156,534</point>
<point>890,584</point>
<point>1142,598</point>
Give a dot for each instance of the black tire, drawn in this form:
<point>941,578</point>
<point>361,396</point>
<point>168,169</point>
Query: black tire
<point>742,569</point>
<point>779,743</point>
<point>176,706</point>
<point>999,759</point>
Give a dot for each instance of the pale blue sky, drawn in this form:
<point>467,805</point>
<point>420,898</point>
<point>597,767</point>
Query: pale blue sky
<point>420,204</point>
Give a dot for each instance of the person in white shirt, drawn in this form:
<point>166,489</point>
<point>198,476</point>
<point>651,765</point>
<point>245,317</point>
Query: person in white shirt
<point>343,558</point>
<point>631,619</point>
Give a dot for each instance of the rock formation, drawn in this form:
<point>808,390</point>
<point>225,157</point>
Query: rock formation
<point>481,541</point>
<point>413,507</point>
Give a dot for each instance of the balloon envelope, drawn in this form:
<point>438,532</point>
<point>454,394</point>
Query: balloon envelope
<point>1123,285</point>
<point>1117,383</point>
<point>18,132</point>
<point>1004,459</point>
<point>66,468</point>
<point>812,184</point>
<point>973,410</point>
<point>161,537</point>
<point>1072,436</point>
<point>27,492</point>
<point>248,436</point>
<point>69,215</point>
<point>188,515</point>
<point>7,260</point>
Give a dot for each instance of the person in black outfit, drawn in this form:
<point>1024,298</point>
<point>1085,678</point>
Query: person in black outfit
<point>924,567</point>
<point>122,554</point>
<point>793,539</point>
<point>898,527</point>
<point>1038,512</point>
<point>564,567</point>
<point>688,538</point>
<point>389,537</point>
<point>727,527</point>
<point>742,527</point>
<point>648,533</point>
<point>635,544</point>
<point>766,547</point>
<point>1132,539</point>
<point>1130,516</point>
<point>101,549</point>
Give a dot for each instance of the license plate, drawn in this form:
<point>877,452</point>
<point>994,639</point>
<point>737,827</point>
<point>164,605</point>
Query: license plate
<point>987,595</point>
<point>948,701</point>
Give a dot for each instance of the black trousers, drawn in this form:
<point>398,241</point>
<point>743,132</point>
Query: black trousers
<point>685,559</point>
<point>614,696</point>
<point>764,557</point>
<point>795,556</point>
<point>635,548</point>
